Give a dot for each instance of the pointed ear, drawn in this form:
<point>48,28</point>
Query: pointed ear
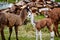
<point>23,6</point>
<point>15,5</point>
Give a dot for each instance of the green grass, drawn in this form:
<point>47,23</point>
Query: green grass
<point>26,32</point>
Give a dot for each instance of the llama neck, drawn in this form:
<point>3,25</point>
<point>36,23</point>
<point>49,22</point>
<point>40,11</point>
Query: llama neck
<point>32,20</point>
<point>23,15</point>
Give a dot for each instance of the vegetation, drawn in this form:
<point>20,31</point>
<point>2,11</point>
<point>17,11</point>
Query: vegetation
<point>57,0</point>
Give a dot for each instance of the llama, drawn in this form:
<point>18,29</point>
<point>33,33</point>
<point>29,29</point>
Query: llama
<point>54,14</point>
<point>12,20</point>
<point>46,22</point>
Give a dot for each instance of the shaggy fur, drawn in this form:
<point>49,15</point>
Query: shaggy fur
<point>12,20</point>
<point>54,14</point>
<point>46,22</point>
<point>43,23</point>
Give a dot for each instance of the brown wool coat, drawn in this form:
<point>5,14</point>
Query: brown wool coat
<point>43,23</point>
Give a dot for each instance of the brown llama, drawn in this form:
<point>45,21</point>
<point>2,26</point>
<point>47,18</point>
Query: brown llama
<point>46,22</point>
<point>54,14</point>
<point>12,20</point>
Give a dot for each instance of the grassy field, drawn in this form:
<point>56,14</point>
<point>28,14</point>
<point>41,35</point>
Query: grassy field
<point>26,32</point>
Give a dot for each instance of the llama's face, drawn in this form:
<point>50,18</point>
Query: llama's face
<point>31,11</point>
<point>45,14</point>
<point>13,8</point>
<point>29,14</point>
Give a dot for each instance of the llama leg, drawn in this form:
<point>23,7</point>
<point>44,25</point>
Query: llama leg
<point>40,35</point>
<point>56,29</point>
<point>16,31</point>
<point>10,31</point>
<point>58,32</point>
<point>36,34</point>
<point>2,34</point>
<point>51,32</point>
<point>52,35</point>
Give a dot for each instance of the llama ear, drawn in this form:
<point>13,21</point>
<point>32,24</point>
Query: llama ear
<point>24,6</point>
<point>16,5</point>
